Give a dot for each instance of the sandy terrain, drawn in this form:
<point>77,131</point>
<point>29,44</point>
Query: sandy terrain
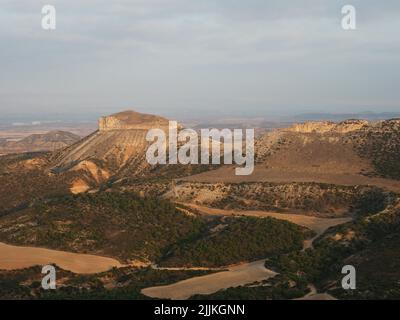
<point>318,296</point>
<point>226,174</point>
<point>234,277</point>
<point>313,295</point>
<point>14,257</point>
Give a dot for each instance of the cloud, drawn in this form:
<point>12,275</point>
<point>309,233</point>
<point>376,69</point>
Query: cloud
<point>180,55</point>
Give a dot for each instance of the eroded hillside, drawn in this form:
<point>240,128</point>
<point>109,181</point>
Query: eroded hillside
<point>352,152</point>
<point>147,215</point>
<point>306,198</point>
<point>49,141</point>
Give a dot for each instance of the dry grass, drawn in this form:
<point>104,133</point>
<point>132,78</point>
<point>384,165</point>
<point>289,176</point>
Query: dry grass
<point>14,257</point>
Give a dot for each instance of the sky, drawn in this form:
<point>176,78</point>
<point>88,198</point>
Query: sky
<point>197,58</point>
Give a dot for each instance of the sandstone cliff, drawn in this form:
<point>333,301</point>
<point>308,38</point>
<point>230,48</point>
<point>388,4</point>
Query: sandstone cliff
<point>127,120</point>
<point>328,126</point>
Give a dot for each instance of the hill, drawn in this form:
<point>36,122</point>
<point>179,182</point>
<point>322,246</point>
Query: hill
<point>124,208</point>
<point>117,151</point>
<point>119,144</point>
<point>49,141</point>
<point>352,152</point>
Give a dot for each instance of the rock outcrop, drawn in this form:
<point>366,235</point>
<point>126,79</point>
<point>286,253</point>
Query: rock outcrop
<point>128,120</point>
<point>328,126</point>
<point>118,148</point>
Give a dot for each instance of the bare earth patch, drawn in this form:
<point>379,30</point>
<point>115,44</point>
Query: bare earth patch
<point>208,284</point>
<point>14,257</point>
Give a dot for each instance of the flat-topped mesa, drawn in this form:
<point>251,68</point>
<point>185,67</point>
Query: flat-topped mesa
<point>127,120</point>
<point>328,126</point>
<point>310,127</point>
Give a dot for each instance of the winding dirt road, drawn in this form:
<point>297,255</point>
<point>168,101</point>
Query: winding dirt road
<point>318,225</point>
<point>245,273</point>
<point>314,295</point>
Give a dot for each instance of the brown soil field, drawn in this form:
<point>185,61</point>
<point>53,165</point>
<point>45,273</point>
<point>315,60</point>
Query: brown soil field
<point>208,284</point>
<point>15,257</point>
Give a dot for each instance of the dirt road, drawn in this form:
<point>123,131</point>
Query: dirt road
<point>244,273</point>
<point>318,225</point>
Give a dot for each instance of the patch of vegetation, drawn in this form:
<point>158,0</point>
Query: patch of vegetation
<point>122,225</point>
<point>378,275</point>
<point>381,144</point>
<point>370,244</point>
<point>372,201</point>
<point>238,239</point>
<point>123,283</point>
<point>23,185</point>
<point>277,288</point>
<point>305,198</point>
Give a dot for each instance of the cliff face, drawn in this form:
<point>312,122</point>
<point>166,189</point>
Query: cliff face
<point>117,148</point>
<point>327,126</point>
<point>127,120</point>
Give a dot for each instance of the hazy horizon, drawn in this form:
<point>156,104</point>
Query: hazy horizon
<point>193,59</point>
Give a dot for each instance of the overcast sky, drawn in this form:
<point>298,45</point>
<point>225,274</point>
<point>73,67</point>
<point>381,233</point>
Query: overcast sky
<point>190,58</point>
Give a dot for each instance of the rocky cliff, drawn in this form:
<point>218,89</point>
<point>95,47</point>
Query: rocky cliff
<point>127,120</point>
<point>328,126</point>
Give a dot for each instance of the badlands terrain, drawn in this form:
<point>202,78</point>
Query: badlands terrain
<point>49,141</point>
<point>322,195</point>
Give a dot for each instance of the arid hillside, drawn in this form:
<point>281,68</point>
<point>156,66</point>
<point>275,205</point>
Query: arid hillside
<point>322,194</point>
<point>26,179</point>
<point>352,152</point>
<point>318,199</point>
<point>49,141</point>
<point>117,151</point>
<point>120,142</point>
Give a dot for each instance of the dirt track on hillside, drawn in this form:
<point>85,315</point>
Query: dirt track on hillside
<point>226,174</point>
<point>318,225</point>
<point>15,257</point>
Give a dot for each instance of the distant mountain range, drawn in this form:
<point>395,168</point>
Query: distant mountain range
<point>49,141</point>
<point>371,116</point>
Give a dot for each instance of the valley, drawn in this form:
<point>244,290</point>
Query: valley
<point>246,273</point>
<point>322,195</point>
